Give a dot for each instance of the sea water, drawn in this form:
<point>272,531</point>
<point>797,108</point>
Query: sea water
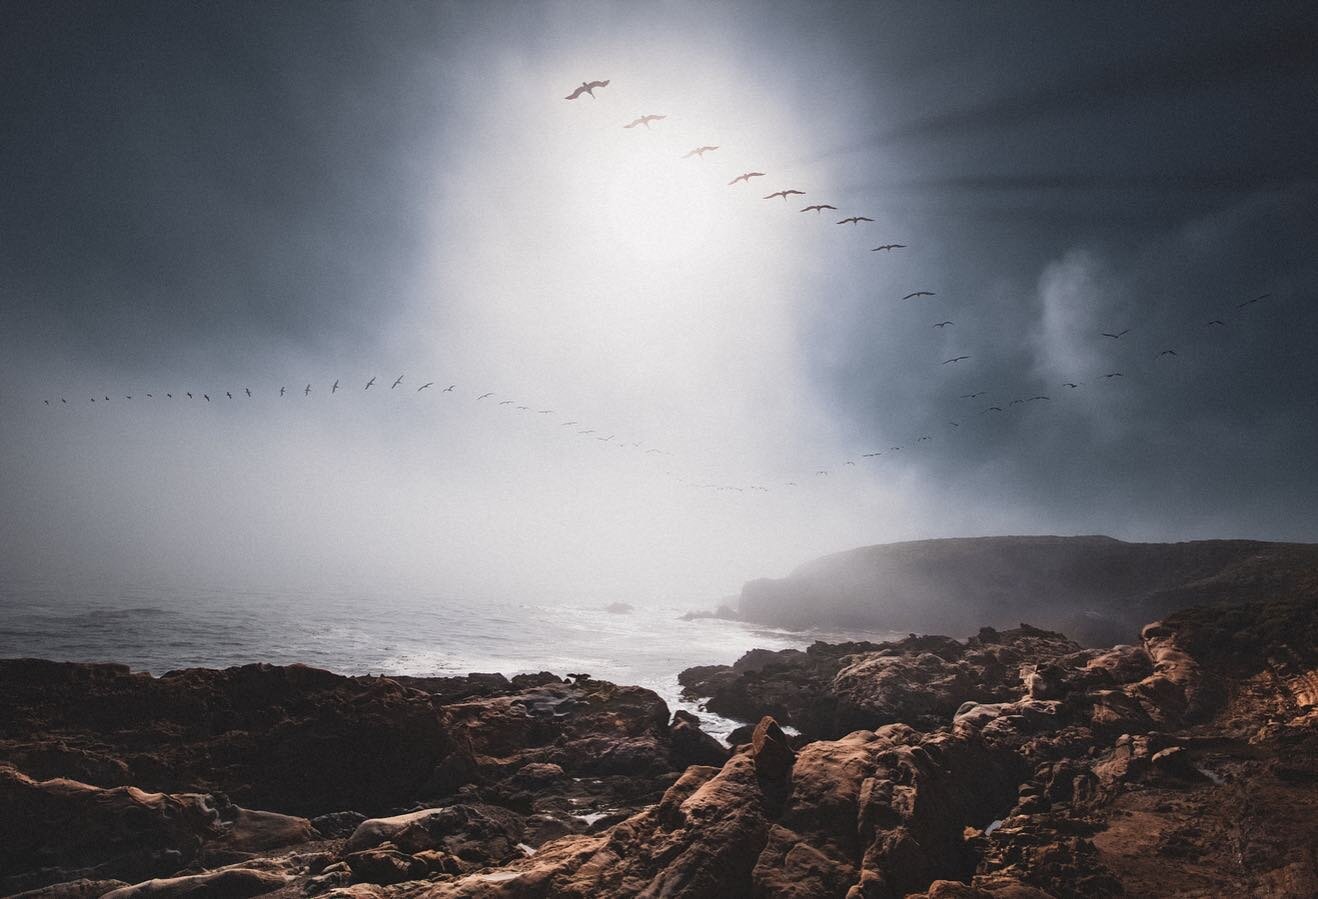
<point>159,628</point>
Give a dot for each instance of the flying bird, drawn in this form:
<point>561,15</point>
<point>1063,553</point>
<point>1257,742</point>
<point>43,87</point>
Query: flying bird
<point>1069,384</point>
<point>823,473</point>
<point>699,151</point>
<point>368,384</point>
<point>281,392</point>
<point>449,388</point>
<point>971,396</point>
<point>855,220</point>
<point>506,402</point>
<point>870,455</point>
<point>784,194</point>
<point>307,392</point>
<point>1217,321</point>
<point>919,293</point>
<point>544,412</point>
<point>396,383</point>
<point>943,324</point>
<point>1165,353</point>
<point>587,87</point>
<point>567,423</point>
<point>484,395</point>
<point>646,120</point>
<point>1253,301</point>
<point>747,176</point>
<point>849,462</point>
<point>189,393</point>
<point>1033,398</point>
<point>1114,374</point>
<point>955,359</point>
<point>816,207</point>
<point>524,408</point>
<point>334,388</point>
<point>425,385</point>
<point>1116,336</point>
<point>207,396</point>
<point>992,409</point>
<point>889,246</point>
<point>924,437</point>
<point>246,390</point>
<point>955,424</point>
<point>226,393</point>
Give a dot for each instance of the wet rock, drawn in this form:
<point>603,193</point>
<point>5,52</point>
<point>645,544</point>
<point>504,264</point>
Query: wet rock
<point>385,865</point>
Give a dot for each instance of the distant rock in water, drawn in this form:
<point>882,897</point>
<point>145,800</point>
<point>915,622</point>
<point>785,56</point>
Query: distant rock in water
<point>619,608</point>
<point>1095,589</point>
<point>724,612</point>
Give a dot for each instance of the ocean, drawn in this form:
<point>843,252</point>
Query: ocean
<point>158,629</point>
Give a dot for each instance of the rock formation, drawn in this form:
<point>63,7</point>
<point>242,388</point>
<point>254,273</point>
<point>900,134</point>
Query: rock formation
<point>1012,765</point>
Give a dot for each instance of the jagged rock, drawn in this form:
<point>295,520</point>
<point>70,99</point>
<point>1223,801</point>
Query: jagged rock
<point>337,824</point>
<point>231,883</point>
<point>291,739</point>
<point>385,865</point>
<point>83,888</point>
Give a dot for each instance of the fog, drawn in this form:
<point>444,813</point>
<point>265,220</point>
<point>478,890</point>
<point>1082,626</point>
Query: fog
<point>245,196</point>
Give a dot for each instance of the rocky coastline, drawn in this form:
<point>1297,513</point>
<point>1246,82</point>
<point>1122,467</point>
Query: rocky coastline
<point>1014,764</point>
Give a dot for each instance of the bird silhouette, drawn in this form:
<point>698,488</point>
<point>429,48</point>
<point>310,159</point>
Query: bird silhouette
<point>1116,336</point>
<point>484,395</point>
<point>307,392</point>
<point>449,388</point>
<point>955,424</point>
<point>425,385</point>
<point>784,194</point>
<point>971,396</point>
<point>943,324</point>
<point>368,384</point>
<point>870,455</point>
<point>281,392</point>
<point>816,207</point>
<point>567,423</point>
<point>699,151</point>
<point>587,87</point>
<point>248,391</point>
<point>747,176</point>
<point>1069,384</point>
<point>646,120</point>
<point>889,246</point>
<point>1253,301</point>
<point>1038,397</point>
<point>919,293</point>
<point>544,412</point>
<point>396,383</point>
<point>955,359</point>
<point>924,437</point>
<point>506,402</point>
<point>1165,353</point>
<point>524,408</point>
<point>170,395</point>
<point>226,393</point>
<point>821,474</point>
<point>855,220</point>
<point>207,397</point>
<point>47,402</point>
<point>1217,321</point>
<point>992,409</point>
<point>1114,374</point>
<point>189,393</point>
<point>334,388</point>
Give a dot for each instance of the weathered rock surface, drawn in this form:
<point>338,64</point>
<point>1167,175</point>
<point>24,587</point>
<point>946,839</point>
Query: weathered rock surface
<point>832,689</point>
<point>1185,765</point>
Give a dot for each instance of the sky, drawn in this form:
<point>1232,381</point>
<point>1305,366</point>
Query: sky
<point>220,197</point>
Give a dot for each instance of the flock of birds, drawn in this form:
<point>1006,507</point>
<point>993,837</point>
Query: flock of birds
<point>588,88</point>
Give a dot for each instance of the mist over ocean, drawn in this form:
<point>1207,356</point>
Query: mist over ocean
<point>159,628</point>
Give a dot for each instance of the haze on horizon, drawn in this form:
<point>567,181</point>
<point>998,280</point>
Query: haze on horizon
<point>211,197</point>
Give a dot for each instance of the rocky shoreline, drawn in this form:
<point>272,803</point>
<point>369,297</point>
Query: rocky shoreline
<point>1012,764</point>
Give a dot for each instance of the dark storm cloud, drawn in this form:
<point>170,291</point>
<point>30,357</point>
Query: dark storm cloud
<point>179,174</point>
